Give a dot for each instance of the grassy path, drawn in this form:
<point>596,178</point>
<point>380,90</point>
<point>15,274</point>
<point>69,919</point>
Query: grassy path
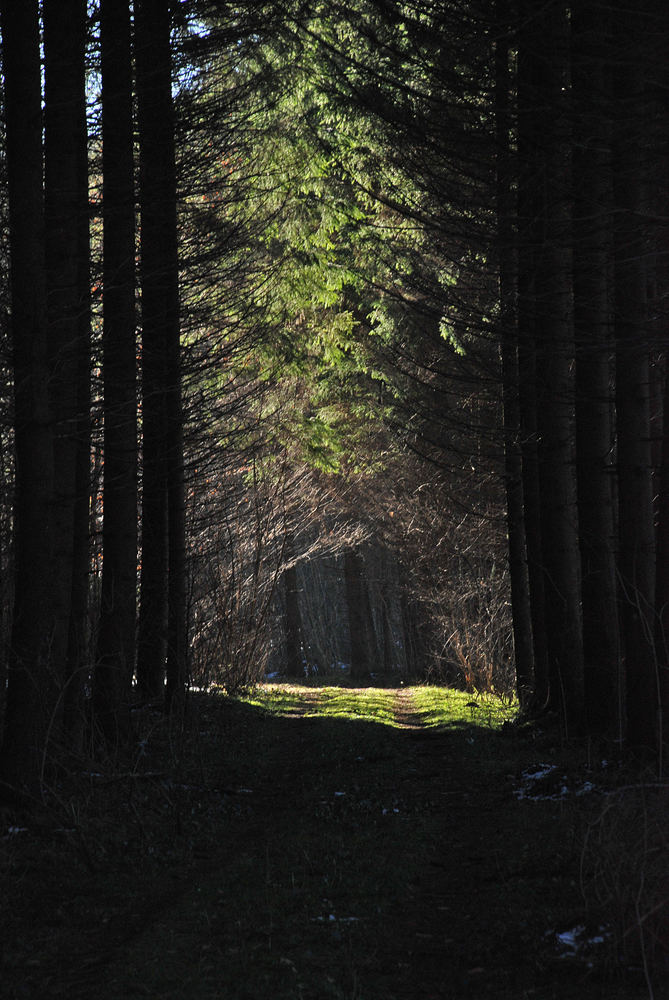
<point>348,844</point>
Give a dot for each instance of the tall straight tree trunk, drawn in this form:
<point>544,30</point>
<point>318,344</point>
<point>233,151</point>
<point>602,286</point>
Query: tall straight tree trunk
<point>527,241</point>
<point>388,654</point>
<point>592,243</point>
<point>163,585</point>
<point>358,623</point>
<point>67,251</point>
<point>662,567</point>
<point>513,466</point>
<point>554,358</point>
<point>293,617</point>
<point>635,504</point>
<point>32,689</point>
<point>115,658</point>
<point>78,654</point>
<point>659,204</point>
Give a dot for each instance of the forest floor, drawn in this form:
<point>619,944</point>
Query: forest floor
<point>321,844</point>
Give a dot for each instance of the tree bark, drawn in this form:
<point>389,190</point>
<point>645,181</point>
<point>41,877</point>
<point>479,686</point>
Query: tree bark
<point>635,492</point>
<point>64,35</point>
<point>527,240</point>
<point>115,660</point>
<point>293,618</point>
<point>78,655</point>
<point>554,343</point>
<point>68,314</point>
<point>592,244</point>
<point>32,687</point>
<point>513,465</point>
<point>163,589</point>
<point>357,618</point>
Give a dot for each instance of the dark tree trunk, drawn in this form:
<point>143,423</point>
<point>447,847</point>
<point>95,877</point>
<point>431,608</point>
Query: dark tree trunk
<point>32,688</point>
<point>592,243</point>
<point>513,466</point>
<point>388,643</point>
<point>163,593</point>
<point>528,237</point>
<point>659,204</point>
<point>662,563</point>
<point>78,655</point>
<point>662,568</point>
<point>293,619</point>
<point>116,632</point>
<point>554,342</point>
<point>358,623</point>
<point>68,312</point>
<point>416,630</point>
<point>635,493</point>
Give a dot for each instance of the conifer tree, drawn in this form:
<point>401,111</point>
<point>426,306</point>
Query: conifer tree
<point>32,684</point>
<point>115,660</point>
<point>162,622</point>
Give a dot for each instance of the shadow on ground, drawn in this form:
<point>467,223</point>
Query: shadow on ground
<point>303,858</point>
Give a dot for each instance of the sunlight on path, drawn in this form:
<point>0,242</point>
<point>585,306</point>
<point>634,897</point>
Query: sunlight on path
<point>407,714</point>
<point>422,707</point>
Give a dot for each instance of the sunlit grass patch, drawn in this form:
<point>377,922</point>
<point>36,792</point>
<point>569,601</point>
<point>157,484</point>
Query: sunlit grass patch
<point>440,706</point>
<point>373,704</point>
<point>284,699</point>
<point>425,706</point>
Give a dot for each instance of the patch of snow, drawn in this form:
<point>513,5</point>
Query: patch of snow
<point>570,940</point>
<point>577,943</point>
<point>539,771</point>
<point>535,787</point>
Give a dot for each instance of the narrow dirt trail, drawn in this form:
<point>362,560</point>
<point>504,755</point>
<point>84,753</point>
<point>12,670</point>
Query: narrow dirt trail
<point>354,860</point>
<point>406,713</point>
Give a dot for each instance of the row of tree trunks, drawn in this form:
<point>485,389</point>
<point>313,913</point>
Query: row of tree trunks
<point>48,660</point>
<point>575,294</point>
<point>32,687</point>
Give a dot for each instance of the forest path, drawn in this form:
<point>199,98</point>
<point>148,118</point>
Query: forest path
<point>407,715</point>
<point>333,858</point>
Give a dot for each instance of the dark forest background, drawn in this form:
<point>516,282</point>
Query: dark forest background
<point>333,338</point>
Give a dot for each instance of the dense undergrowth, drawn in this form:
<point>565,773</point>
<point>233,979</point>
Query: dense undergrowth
<point>323,842</point>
